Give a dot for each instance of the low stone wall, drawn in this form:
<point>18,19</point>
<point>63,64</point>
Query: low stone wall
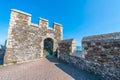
<point>105,51</point>
<point>92,67</point>
<point>102,55</point>
<point>82,64</point>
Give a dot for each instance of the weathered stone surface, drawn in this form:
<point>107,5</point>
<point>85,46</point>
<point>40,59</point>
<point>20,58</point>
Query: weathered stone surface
<point>26,40</point>
<point>105,51</point>
<point>67,46</point>
<point>102,55</point>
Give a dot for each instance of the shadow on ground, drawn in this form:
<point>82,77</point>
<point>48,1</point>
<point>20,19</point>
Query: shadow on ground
<point>73,71</point>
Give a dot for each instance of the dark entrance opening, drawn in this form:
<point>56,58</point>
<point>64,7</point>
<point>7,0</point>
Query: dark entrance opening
<point>48,47</point>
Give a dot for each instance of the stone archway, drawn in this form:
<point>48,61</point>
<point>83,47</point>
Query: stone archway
<point>48,47</point>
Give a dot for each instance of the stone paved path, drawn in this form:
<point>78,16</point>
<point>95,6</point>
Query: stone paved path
<point>44,69</point>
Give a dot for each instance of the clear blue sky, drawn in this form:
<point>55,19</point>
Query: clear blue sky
<point>79,17</point>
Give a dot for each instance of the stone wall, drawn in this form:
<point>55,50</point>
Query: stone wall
<point>102,55</point>
<point>105,51</point>
<point>26,40</point>
<point>83,64</point>
<point>67,46</point>
<point>90,66</point>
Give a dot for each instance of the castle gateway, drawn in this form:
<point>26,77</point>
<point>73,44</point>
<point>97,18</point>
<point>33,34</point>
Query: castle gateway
<point>27,41</point>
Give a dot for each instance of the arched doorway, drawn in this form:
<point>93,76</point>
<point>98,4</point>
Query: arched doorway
<point>48,47</point>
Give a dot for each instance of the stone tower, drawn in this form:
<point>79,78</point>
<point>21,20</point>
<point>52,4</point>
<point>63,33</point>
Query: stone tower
<point>26,40</point>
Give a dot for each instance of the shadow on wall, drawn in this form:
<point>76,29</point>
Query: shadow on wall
<point>73,71</point>
<point>2,52</point>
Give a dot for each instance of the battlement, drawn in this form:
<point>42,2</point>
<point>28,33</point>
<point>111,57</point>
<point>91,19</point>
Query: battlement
<point>27,38</point>
<point>21,18</point>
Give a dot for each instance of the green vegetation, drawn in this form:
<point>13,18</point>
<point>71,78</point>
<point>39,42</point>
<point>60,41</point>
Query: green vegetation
<point>45,53</point>
<point>14,62</point>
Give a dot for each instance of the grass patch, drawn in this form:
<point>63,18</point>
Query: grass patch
<point>14,62</point>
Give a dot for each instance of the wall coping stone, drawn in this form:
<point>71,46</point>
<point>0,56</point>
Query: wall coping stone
<point>43,19</point>
<point>21,12</point>
<point>34,24</point>
<point>109,36</point>
<point>57,23</point>
<point>108,40</point>
<point>67,40</point>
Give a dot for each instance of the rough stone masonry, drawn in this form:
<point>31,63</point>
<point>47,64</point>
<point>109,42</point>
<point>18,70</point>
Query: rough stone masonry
<point>26,40</point>
<point>104,50</point>
<point>102,55</point>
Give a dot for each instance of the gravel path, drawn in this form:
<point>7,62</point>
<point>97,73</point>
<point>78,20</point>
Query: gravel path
<point>44,69</point>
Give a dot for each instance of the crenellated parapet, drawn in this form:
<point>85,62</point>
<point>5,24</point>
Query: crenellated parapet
<point>20,18</point>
